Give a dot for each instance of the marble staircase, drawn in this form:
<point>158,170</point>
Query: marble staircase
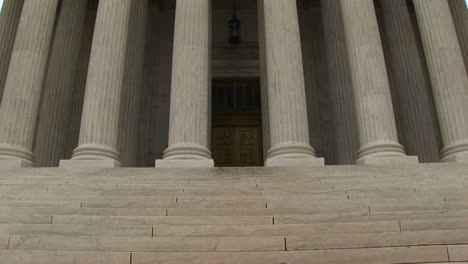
<point>331,214</point>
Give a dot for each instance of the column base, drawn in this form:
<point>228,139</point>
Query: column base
<point>14,164</point>
<point>89,164</point>
<point>388,160</point>
<point>455,152</point>
<point>458,158</point>
<point>294,162</point>
<point>181,163</point>
<point>12,156</point>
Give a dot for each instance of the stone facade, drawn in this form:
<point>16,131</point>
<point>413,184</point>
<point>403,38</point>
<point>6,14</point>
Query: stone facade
<point>117,83</point>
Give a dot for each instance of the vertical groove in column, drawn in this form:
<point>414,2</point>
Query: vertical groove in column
<point>191,82</point>
<point>460,18</point>
<point>412,87</point>
<point>54,113</point>
<point>101,108</point>
<point>287,109</point>
<point>376,121</point>
<point>448,74</point>
<point>9,20</point>
<point>263,78</point>
<point>344,113</point>
<point>79,85</point>
<point>132,85</point>
<point>23,87</point>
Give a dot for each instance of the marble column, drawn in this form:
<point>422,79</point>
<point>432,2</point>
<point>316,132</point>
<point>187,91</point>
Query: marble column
<point>132,85</point>
<point>20,103</point>
<point>410,82</point>
<point>341,90</point>
<point>9,20</point>
<point>190,109</point>
<point>54,115</point>
<point>287,109</point>
<point>448,76</point>
<point>376,122</point>
<point>97,146</point>
<point>460,18</point>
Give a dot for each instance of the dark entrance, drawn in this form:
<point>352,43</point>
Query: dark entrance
<point>236,138</point>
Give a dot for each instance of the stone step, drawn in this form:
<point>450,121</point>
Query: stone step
<point>255,211</point>
<point>274,230</point>
<point>458,252</point>
<point>187,204</point>
<point>39,203</point>
<point>364,240</point>
<point>163,220</point>
<point>56,210</point>
<point>418,254</point>
<point>434,224</point>
<point>366,217</point>
<point>75,230</point>
<point>25,218</point>
<point>63,257</point>
<point>153,244</point>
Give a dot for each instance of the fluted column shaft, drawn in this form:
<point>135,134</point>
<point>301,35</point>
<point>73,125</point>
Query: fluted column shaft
<point>104,85</point>
<point>412,86</point>
<point>448,75</point>
<point>54,115</point>
<point>287,109</point>
<point>376,122</point>
<point>190,109</point>
<point>23,87</point>
<point>341,90</point>
<point>130,109</point>
<point>9,19</point>
<point>460,18</point>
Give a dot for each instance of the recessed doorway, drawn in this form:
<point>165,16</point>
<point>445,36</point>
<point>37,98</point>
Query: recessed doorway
<point>236,138</point>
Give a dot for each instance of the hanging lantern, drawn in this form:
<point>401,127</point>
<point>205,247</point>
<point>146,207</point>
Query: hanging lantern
<point>234,27</point>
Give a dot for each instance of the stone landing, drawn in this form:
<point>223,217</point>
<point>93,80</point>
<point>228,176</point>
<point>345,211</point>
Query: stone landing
<point>333,214</point>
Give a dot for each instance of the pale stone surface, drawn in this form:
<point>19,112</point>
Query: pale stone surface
<point>54,114</point>
<point>25,218</point>
<point>274,230</point>
<point>373,255</point>
<point>14,164</point>
<point>433,237</point>
<point>4,241</point>
<point>86,164</point>
<point>189,121</point>
<point>287,109</point>
<point>75,230</point>
<point>410,83</point>
<point>100,118</point>
<point>376,121</point>
<point>9,19</point>
<point>341,90</point>
<point>448,74</point>
<point>161,220</point>
<point>145,244</point>
<point>388,160</point>
<point>62,257</point>
<point>458,253</point>
<point>436,224</point>
<point>181,163</point>
<point>23,87</point>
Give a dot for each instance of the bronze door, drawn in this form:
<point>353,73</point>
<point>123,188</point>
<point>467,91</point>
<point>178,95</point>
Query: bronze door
<point>236,137</point>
